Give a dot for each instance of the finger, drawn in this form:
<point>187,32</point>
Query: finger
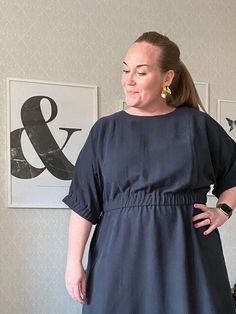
<point>209,230</point>
<point>200,216</point>
<point>200,206</point>
<point>205,222</point>
<point>83,287</point>
<point>76,295</point>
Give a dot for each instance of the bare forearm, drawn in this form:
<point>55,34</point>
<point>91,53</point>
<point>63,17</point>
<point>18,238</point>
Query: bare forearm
<point>79,230</point>
<point>228,197</point>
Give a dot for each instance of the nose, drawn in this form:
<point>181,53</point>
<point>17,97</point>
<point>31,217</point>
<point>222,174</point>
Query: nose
<point>131,79</point>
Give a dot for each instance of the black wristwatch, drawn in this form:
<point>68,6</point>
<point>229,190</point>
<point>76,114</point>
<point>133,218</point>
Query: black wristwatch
<point>225,208</point>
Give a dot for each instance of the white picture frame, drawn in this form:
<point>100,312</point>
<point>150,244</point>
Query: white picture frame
<point>226,116</point>
<point>203,92</point>
<point>48,123</point>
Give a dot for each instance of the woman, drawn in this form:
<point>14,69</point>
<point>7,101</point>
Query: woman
<point>142,178</point>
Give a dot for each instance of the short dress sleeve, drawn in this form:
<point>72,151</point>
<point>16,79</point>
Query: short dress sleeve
<point>223,156</point>
<point>85,192</point>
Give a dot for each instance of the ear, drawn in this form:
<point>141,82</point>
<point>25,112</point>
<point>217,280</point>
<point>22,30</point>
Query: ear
<point>169,77</point>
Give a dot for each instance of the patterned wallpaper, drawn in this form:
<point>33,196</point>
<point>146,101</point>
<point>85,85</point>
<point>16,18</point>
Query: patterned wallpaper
<point>84,42</point>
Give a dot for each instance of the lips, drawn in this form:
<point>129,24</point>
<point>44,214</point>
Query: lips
<point>131,92</point>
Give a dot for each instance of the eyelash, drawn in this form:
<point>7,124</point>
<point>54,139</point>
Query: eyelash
<point>141,73</point>
<point>138,73</point>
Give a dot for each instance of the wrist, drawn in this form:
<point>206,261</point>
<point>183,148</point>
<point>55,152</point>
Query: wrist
<point>223,213</point>
<point>74,261</point>
<point>226,209</point>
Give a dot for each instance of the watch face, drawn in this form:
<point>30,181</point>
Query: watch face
<point>227,209</point>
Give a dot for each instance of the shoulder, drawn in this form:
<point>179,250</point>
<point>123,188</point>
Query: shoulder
<point>109,118</point>
<point>104,125</point>
<point>199,117</point>
<point>192,112</point>
<point>202,123</point>
<point>105,121</point>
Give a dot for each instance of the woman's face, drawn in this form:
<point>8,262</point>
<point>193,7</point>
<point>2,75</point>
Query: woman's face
<point>142,79</point>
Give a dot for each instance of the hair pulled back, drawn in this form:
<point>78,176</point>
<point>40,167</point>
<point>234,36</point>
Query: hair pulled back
<point>183,90</point>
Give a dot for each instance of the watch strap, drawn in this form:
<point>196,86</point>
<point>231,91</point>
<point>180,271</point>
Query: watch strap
<point>225,208</point>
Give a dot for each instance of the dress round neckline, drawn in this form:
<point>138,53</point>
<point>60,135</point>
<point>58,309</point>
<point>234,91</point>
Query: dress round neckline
<point>152,116</point>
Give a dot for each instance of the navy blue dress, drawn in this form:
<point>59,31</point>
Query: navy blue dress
<point>137,178</point>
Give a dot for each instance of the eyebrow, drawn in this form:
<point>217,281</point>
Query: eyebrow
<point>138,66</point>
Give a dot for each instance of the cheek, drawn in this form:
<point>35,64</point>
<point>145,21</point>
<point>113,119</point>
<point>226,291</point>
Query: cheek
<point>150,87</point>
<point>122,80</point>
<point>152,91</point>
<point>155,87</point>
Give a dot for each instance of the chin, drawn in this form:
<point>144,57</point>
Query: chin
<point>132,103</point>
<point>133,106</point>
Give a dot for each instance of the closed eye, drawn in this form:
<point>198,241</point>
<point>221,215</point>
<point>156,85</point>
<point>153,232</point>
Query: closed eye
<point>141,73</point>
<point>125,71</point>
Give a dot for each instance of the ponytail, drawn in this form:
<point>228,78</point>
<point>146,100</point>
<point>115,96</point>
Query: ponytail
<point>183,90</point>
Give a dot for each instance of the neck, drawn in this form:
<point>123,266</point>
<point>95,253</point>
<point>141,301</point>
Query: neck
<point>150,111</point>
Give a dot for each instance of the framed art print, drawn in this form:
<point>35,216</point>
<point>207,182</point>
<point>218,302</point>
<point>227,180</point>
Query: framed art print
<point>203,89</point>
<point>48,123</point>
<point>226,116</point>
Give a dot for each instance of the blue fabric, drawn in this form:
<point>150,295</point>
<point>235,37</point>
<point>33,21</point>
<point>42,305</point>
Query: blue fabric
<point>136,179</point>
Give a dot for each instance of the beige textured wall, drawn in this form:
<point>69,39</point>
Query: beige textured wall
<point>84,42</point>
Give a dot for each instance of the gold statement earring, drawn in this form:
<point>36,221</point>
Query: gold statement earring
<point>165,92</point>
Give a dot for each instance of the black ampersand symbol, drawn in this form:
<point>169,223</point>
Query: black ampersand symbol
<point>43,142</point>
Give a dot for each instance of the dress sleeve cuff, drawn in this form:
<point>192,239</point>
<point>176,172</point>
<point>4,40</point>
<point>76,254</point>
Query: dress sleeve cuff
<point>81,209</point>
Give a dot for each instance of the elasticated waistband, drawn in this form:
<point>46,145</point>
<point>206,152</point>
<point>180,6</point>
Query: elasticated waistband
<point>142,198</point>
